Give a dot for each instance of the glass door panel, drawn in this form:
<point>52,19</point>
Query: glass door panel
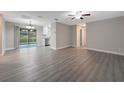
<point>23,37</point>
<point>32,37</point>
<point>27,38</point>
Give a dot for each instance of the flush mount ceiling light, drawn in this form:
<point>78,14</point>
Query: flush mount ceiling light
<point>79,15</point>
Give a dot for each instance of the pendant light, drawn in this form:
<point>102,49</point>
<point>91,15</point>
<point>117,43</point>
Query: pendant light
<point>30,27</point>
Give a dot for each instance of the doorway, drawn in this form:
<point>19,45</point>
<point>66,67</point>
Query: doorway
<point>80,36</point>
<point>27,38</point>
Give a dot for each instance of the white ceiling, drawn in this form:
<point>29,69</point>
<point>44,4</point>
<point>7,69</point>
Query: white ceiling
<point>47,17</point>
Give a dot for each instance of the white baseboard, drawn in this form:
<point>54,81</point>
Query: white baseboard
<point>9,49</point>
<point>64,46</point>
<point>53,48</point>
<point>3,52</point>
<point>61,47</point>
<point>106,51</point>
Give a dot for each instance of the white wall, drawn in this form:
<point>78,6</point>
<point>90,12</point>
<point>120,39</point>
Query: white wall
<point>11,35</point>
<point>3,38</point>
<point>63,35</point>
<point>106,35</point>
<point>47,31</point>
<point>76,36</point>
<point>53,36</point>
<point>1,34</point>
<point>40,39</point>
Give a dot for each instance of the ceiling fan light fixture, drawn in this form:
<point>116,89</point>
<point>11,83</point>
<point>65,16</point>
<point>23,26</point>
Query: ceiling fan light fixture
<point>29,27</point>
<point>81,18</point>
<point>32,27</point>
<point>77,17</point>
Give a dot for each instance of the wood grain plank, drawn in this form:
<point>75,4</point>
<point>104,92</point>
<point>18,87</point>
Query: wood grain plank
<point>43,64</point>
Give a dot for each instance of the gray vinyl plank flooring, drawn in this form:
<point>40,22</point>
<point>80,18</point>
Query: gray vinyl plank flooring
<point>43,64</point>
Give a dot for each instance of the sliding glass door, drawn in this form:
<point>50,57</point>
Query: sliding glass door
<point>27,38</point>
<point>23,37</point>
<point>31,37</point>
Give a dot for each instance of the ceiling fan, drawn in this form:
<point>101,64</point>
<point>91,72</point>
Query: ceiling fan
<point>79,15</point>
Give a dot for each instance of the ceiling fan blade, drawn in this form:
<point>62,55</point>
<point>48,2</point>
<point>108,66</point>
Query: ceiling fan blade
<point>71,15</point>
<point>81,18</point>
<point>86,14</point>
<point>73,18</point>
